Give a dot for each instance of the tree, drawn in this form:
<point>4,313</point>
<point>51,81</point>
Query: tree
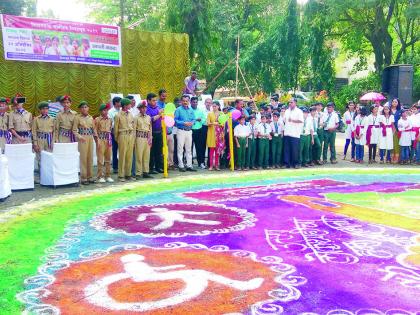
<point>18,7</point>
<point>372,31</point>
<point>192,17</point>
<point>315,49</point>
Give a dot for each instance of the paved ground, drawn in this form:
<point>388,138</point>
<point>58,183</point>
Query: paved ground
<point>20,197</point>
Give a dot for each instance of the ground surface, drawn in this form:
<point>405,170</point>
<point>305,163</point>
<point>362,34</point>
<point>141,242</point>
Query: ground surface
<point>333,240</point>
<point>341,241</point>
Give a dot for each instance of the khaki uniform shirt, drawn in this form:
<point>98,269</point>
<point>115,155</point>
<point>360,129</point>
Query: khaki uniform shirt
<point>64,120</point>
<point>4,121</point>
<point>143,123</point>
<point>20,122</point>
<point>124,121</point>
<point>42,124</point>
<point>83,122</point>
<point>103,127</point>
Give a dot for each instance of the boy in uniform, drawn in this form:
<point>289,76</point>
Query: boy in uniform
<point>320,131</point>
<point>5,135</point>
<point>306,138</point>
<point>20,123</point>
<point>315,150</point>
<point>241,133</point>
<point>83,129</point>
<point>124,134</point>
<point>64,122</point>
<point>264,131</point>
<point>103,125</point>
<point>143,142</point>
<point>331,122</point>
<point>277,127</point>
<point>42,131</point>
<point>252,143</point>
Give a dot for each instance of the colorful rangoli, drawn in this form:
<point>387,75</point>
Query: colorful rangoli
<point>345,243</point>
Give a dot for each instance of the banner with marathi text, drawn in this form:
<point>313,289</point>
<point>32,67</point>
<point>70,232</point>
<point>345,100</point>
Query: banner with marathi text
<point>37,39</point>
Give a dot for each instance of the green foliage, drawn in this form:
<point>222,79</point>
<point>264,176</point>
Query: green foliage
<point>18,7</point>
<point>356,89</point>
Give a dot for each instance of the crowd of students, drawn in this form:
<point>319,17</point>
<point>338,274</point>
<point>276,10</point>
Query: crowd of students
<point>274,136</point>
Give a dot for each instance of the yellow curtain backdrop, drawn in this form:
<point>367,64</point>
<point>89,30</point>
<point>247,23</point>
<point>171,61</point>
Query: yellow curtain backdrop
<point>151,61</point>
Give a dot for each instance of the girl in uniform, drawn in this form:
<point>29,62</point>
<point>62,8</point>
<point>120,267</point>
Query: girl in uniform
<point>372,133</point>
<point>386,134</point>
<point>404,135</point>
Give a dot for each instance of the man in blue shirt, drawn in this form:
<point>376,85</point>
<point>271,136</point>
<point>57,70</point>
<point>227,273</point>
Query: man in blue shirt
<point>162,98</point>
<point>184,120</point>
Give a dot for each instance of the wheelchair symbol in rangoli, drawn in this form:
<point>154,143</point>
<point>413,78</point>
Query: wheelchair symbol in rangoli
<point>174,220</point>
<point>162,281</point>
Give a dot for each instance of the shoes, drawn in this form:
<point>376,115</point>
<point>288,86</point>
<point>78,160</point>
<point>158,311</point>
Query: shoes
<point>145,175</point>
<point>153,172</point>
<point>138,177</point>
<point>217,169</point>
<point>85,182</point>
<point>333,161</point>
<point>324,162</point>
<point>381,162</point>
<point>121,179</point>
<point>109,180</point>
<point>101,180</point>
<point>297,166</point>
<point>203,167</point>
<point>133,178</point>
<point>159,170</point>
<point>210,169</point>
<point>352,160</point>
<point>283,167</point>
<point>181,169</point>
<point>190,169</point>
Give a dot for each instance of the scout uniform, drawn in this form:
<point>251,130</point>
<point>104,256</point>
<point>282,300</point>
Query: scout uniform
<point>104,146</point>
<point>42,132</point>
<point>305,138</point>
<point>5,135</point>
<point>143,127</point>
<point>252,146</point>
<point>83,128</point>
<point>277,128</point>
<point>20,121</point>
<point>264,131</point>
<point>241,133</point>
<point>64,125</point>
<point>124,133</point>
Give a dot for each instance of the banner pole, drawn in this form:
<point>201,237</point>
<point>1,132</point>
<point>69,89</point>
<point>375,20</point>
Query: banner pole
<point>231,151</point>
<point>164,150</point>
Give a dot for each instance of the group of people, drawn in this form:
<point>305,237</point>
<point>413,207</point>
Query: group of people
<point>276,136</point>
<point>391,129</point>
<point>50,45</point>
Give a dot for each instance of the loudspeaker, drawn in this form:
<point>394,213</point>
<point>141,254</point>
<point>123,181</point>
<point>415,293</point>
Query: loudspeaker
<point>397,81</point>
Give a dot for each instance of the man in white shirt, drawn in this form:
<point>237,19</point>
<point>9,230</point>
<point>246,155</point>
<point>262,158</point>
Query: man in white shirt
<point>331,122</point>
<point>293,124</point>
<point>116,107</point>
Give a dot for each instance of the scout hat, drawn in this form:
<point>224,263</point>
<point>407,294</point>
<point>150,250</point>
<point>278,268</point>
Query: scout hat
<point>65,98</point>
<point>331,104</point>
<point>104,106</point>
<point>43,105</point>
<point>83,103</point>
<point>125,102</point>
<point>142,104</point>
